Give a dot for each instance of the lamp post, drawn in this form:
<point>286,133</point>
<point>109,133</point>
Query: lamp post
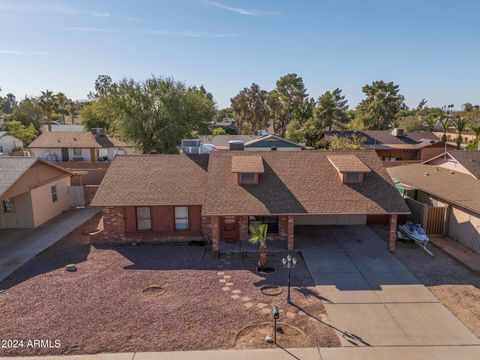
<point>276,316</point>
<point>289,262</point>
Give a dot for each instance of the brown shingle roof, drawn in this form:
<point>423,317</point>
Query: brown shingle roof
<point>300,182</point>
<point>74,139</point>
<point>469,159</point>
<point>348,163</point>
<point>154,180</point>
<point>454,187</point>
<point>247,164</point>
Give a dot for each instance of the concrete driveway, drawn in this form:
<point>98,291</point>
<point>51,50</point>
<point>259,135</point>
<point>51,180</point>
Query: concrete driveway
<point>17,246</point>
<point>371,299</point>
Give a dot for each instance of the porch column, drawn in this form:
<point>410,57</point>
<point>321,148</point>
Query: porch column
<point>215,232</point>
<point>243,228</point>
<point>290,228</point>
<point>392,236</point>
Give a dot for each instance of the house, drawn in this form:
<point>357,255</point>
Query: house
<point>9,143</point>
<point>215,197</point>
<point>67,146</point>
<point>228,124</point>
<point>250,142</point>
<point>397,145</point>
<point>32,191</point>
<point>444,195</point>
<point>63,127</point>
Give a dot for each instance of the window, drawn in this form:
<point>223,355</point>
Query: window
<point>1,149</point>
<point>271,221</point>
<point>248,178</point>
<point>54,193</point>
<point>8,206</point>
<point>144,219</point>
<point>229,223</point>
<point>77,152</point>
<point>352,177</point>
<point>181,218</point>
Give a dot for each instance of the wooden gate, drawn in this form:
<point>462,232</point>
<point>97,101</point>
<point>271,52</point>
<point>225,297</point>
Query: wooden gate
<point>434,220</point>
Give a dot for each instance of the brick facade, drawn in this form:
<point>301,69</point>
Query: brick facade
<point>215,232</point>
<point>290,232</point>
<point>283,227</point>
<point>392,236</point>
<point>113,226</point>
<point>243,228</point>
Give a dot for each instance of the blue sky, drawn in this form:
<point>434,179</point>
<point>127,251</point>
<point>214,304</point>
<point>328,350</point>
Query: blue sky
<point>430,48</point>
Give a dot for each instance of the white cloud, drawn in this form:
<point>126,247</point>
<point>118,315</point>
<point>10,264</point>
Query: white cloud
<point>241,11</point>
<point>101,14</point>
<point>171,33</point>
<point>18,52</point>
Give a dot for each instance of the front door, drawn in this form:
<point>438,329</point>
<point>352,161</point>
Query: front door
<point>65,154</point>
<point>229,228</point>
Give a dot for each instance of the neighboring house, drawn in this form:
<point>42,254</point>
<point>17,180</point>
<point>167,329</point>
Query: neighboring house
<point>62,127</point>
<point>9,143</point>
<point>32,191</point>
<point>250,142</point>
<point>230,125</point>
<point>444,195</point>
<point>78,146</point>
<point>217,196</point>
<point>397,144</point>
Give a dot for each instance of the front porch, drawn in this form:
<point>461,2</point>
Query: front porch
<point>231,233</point>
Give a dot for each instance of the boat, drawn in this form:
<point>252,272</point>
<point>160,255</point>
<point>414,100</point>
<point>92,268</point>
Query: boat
<point>414,232</point>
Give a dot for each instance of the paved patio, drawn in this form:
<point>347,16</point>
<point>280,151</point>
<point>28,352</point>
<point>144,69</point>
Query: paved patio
<point>17,246</point>
<point>370,297</point>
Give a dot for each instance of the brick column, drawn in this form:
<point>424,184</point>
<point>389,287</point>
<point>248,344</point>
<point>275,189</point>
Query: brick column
<point>215,232</point>
<point>290,228</point>
<point>392,236</point>
<point>243,228</point>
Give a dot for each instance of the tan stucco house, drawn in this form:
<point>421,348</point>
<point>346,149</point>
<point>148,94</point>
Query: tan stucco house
<point>32,191</point>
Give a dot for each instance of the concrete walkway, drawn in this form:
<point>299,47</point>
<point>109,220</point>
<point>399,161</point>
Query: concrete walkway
<point>17,250</point>
<point>377,353</point>
<point>371,299</point>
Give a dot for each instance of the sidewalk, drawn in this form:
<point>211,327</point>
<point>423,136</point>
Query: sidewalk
<point>458,251</point>
<point>21,250</point>
<point>350,353</point>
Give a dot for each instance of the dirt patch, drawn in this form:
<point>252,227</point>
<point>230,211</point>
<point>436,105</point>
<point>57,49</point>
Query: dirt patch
<point>154,290</point>
<point>453,284</point>
<point>253,336</point>
<point>102,307</point>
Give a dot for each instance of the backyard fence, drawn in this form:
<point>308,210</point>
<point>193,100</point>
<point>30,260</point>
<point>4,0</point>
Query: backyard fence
<point>432,218</point>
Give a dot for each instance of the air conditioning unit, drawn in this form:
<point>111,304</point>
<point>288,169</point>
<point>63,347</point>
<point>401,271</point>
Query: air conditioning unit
<point>191,146</point>
<point>398,132</point>
<point>98,131</point>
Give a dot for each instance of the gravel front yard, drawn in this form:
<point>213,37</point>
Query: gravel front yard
<point>150,298</point>
<point>452,283</point>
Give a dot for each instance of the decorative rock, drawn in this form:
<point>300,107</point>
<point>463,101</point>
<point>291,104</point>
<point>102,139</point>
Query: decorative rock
<point>221,273</point>
<point>230,284</point>
<point>222,280</point>
<point>226,276</point>
<point>267,311</point>
<point>237,292</point>
<point>235,297</point>
<point>269,339</point>
<point>290,315</point>
<point>226,288</point>
<point>71,267</point>
<point>262,305</point>
<point>248,305</point>
<point>246,298</point>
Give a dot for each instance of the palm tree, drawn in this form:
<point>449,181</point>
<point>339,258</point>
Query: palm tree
<point>445,123</point>
<point>259,236</point>
<point>62,102</point>
<point>460,125</point>
<point>47,103</point>
<point>72,109</point>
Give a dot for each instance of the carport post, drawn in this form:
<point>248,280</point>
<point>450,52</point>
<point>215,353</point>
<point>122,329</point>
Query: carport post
<point>392,236</point>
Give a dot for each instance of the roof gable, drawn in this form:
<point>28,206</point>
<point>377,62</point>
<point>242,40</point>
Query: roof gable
<point>271,141</point>
<point>75,139</point>
<point>247,164</point>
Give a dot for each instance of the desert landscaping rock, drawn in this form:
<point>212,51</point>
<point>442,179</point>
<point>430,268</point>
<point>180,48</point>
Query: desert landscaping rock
<point>222,280</point>
<point>230,284</point>
<point>71,267</point>
<point>226,276</point>
<point>246,298</point>
<point>221,273</point>
<point>267,311</point>
<point>235,297</point>
<point>291,315</point>
<point>226,288</point>
<point>248,305</point>
<point>261,305</point>
<point>236,291</point>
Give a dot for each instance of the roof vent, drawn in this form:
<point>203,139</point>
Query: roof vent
<point>427,174</point>
<point>191,146</point>
<point>236,145</point>
<point>452,172</point>
<point>398,132</point>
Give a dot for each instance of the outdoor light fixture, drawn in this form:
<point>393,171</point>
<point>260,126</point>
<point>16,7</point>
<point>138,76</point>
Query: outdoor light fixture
<point>289,263</point>
<point>276,316</point>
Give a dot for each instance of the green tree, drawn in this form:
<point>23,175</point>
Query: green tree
<point>287,97</point>
<point>62,103</point>
<point>219,131</point>
<point>48,103</point>
<point>331,109</point>
<point>259,237</point>
<point>381,104</point>
<point>95,114</point>
<point>460,125</point>
<point>28,111</point>
<point>444,122</point>
<point>251,109</point>
<point>156,114</point>
<point>354,142</point>
<point>25,133</point>
<point>221,114</point>
<point>9,103</point>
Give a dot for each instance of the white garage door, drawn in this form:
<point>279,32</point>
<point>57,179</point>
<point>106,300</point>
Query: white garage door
<point>465,229</point>
<point>330,220</point>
